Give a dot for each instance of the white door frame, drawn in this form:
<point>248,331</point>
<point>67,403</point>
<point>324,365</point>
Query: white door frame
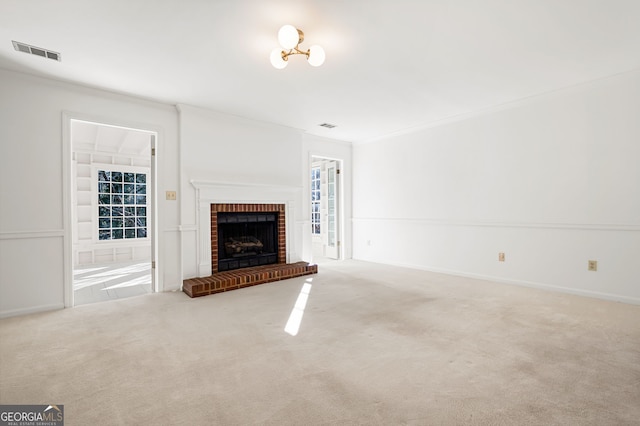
<point>67,153</point>
<point>339,199</point>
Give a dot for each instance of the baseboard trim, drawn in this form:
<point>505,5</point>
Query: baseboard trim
<point>522,283</point>
<point>32,310</point>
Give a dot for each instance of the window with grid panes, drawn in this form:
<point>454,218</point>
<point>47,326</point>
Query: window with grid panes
<point>122,205</point>
<point>315,200</point>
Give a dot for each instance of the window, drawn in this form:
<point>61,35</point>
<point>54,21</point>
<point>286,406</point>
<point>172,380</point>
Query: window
<point>122,205</point>
<point>315,200</point>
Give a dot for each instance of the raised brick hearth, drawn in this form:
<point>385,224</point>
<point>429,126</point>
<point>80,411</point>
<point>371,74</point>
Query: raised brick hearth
<point>246,277</point>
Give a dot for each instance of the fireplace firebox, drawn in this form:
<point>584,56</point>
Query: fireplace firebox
<point>247,235</point>
<point>247,239</point>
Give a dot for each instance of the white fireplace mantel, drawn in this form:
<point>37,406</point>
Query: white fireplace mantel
<point>210,192</point>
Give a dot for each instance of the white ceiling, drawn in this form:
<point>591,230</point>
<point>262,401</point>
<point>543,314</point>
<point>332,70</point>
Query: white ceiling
<point>391,65</point>
<point>95,138</point>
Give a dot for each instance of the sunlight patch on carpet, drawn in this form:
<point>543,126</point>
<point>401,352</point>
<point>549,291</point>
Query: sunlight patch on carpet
<point>295,319</point>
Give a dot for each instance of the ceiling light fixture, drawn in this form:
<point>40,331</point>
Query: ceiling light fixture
<point>290,38</point>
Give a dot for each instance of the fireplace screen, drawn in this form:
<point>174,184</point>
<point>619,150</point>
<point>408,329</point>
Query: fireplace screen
<point>246,239</point>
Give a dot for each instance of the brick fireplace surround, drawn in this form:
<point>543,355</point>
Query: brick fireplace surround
<point>245,277</point>
<point>247,208</point>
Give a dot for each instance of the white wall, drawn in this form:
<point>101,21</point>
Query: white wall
<point>238,158</point>
<point>552,181</point>
<point>34,230</point>
<point>250,158</point>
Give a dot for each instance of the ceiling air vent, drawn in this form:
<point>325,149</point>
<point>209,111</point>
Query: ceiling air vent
<point>38,51</point>
<point>327,125</point>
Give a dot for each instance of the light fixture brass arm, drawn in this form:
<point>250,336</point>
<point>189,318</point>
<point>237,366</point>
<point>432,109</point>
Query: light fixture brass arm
<point>294,51</point>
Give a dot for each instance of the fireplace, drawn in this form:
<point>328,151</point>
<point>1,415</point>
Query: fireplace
<point>246,235</point>
<point>258,244</point>
<point>247,239</point>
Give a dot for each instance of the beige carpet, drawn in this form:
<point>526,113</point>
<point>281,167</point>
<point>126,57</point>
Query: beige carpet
<point>376,346</point>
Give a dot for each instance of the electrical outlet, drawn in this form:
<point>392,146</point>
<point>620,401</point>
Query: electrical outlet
<point>500,257</point>
<point>171,195</point>
<point>593,265</point>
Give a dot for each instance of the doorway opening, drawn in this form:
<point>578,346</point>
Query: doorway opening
<point>326,207</point>
<point>112,214</point>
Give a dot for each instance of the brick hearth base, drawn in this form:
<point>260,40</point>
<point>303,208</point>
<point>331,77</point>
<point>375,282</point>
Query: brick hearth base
<point>245,277</point>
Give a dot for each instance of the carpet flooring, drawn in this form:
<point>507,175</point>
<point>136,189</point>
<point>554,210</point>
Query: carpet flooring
<point>371,345</point>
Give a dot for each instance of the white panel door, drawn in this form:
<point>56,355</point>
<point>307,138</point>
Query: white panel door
<point>332,243</point>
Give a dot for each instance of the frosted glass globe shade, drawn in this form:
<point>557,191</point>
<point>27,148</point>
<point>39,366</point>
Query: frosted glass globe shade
<point>276,59</point>
<point>288,37</point>
<point>316,55</point>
